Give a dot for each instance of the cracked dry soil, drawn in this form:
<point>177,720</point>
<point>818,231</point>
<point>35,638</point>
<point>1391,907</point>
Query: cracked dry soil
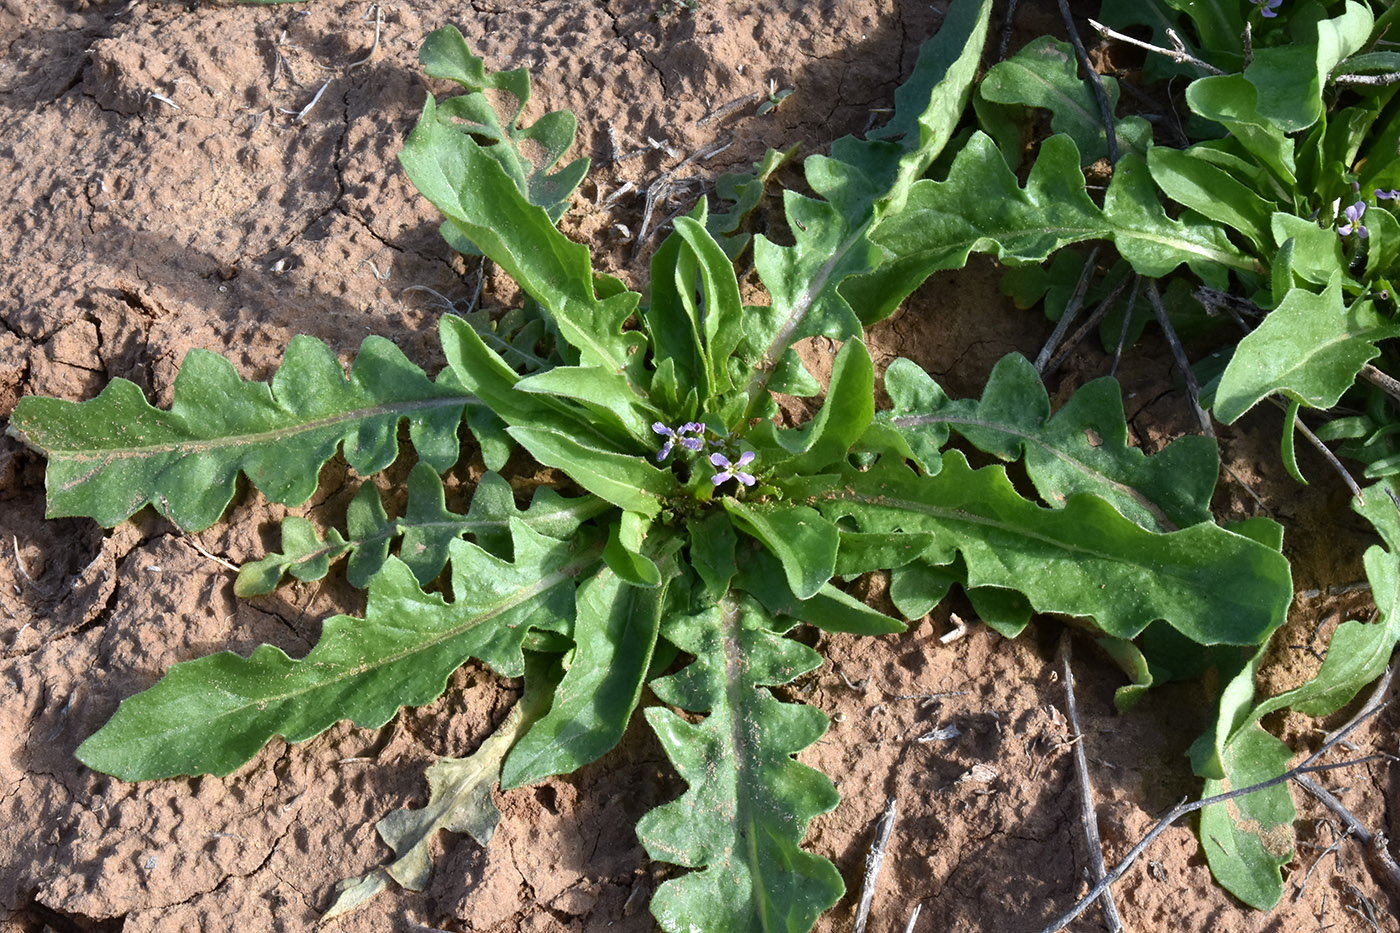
<point>223,177</point>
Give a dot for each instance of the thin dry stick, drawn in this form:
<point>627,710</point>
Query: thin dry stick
<point>1105,108</point>
<point>913,918</point>
<point>193,542</point>
<point>1006,28</point>
<point>1178,54</point>
<point>19,561</point>
<point>1071,311</point>
<point>1374,845</point>
<point>1082,331</point>
<point>721,112</point>
<point>1334,849</point>
<point>1215,301</point>
<point>1390,78</point>
<point>1192,387</point>
<point>874,859</point>
<point>1387,383</point>
<point>1088,817</point>
<point>1184,808</point>
<point>1127,321</point>
<point>663,186</point>
<point>378,24</point>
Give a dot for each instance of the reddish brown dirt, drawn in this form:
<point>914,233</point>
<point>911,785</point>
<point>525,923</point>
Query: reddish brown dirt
<point>164,194</point>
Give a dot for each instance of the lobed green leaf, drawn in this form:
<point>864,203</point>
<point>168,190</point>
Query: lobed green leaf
<point>861,184</point>
<point>112,455</point>
<point>1046,74</point>
<point>484,205</point>
<point>211,715</point>
<point>1083,559</point>
<point>526,153</point>
<point>1083,448</point>
<point>427,528</point>
<point>981,207</point>
<point>1309,348</point>
<point>741,822</point>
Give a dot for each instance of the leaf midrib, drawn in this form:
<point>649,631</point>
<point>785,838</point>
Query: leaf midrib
<point>955,515</point>
<point>1074,462</point>
<point>399,526</point>
<point>518,598</point>
<point>201,445</point>
<point>1080,233</point>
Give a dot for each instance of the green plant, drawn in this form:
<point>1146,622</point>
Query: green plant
<point>669,8</point>
<point>695,529</point>
<point>1287,200</point>
<point>776,96</point>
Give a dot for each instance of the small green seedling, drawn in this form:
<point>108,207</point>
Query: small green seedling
<point>775,97</point>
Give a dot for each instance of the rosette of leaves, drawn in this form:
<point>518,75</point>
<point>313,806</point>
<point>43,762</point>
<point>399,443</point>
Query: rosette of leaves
<point>706,531</point>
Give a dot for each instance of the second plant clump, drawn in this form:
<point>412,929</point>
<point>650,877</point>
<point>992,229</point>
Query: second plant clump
<point>706,529</point>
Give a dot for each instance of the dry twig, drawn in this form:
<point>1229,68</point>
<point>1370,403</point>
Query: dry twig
<point>1192,387</point>
<point>1177,54</point>
<point>1071,311</point>
<point>1088,817</point>
<point>1093,321</point>
<point>1095,80</point>
<point>874,859</point>
<point>1307,766</point>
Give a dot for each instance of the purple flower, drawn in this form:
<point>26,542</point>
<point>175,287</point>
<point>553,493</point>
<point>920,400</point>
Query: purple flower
<point>1268,8</point>
<point>728,471</point>
<point>676,436</point>
<point>1392,195</point>
<point>1354,214</point>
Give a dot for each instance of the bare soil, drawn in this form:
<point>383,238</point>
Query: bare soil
<point>224,177</point>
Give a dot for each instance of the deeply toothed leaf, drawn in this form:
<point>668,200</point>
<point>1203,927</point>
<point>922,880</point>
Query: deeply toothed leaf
<point>526,153</point>
<point>211,715</point>
<point>483,204</point>
<point>111,456</point>
<point>741,822</point>
<point>981,207</point>
<point>1083,559</point>
<point>1082,448</point>
<point>427,529</point>
<point>861,184</point>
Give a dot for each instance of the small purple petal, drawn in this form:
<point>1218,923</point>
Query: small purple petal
<point>660,428</point>
<point>1362,232</point>
<point>664,452</point>
<point>746,458</point>
<point>1356,211</point>
<point>1392,195</point>
<point>692,443</point>
<point>719,460</point>
<point>719,478</point>
<point>747,479</point>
